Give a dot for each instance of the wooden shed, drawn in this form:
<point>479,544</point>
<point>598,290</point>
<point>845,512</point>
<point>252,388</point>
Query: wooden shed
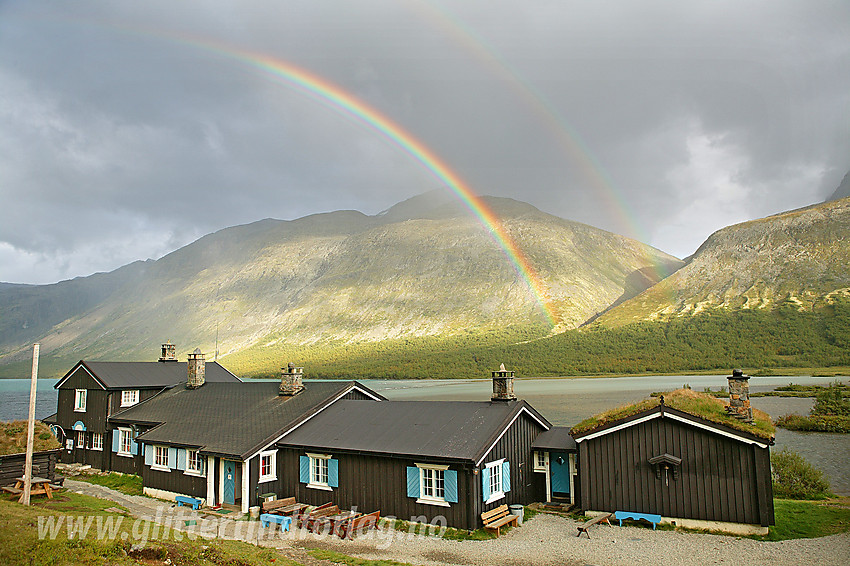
<point>686,460</point>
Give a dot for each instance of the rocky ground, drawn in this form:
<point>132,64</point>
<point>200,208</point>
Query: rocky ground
<point>546,539</point>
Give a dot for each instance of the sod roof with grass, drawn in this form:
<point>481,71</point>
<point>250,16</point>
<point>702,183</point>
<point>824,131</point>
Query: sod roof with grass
<point>13,437</point>
<point>700,405</point>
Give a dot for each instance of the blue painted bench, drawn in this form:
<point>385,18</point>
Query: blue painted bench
<point>267,519</point>
<point>185,500</point>
<point>651,517</point>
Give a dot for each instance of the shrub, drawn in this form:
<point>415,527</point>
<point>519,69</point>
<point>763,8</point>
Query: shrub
<point>795,478</point>
<point>831,401</point>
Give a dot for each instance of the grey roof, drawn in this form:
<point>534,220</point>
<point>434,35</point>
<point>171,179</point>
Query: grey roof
<point>121,375</point>
<point>458,430</point>
<point>231,419</point>
<point>556,438</point>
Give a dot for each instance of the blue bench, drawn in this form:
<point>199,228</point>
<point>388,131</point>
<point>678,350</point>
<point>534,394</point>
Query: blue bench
<point>185,500</point>
<point>651,517</point>
<point>267,519</point>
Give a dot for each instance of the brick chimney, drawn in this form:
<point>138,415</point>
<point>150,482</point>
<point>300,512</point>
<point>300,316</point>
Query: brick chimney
<point>739,396</point>
<point>169,353</point>
<point>503,385</point>
<point>197,369</point>
<point>291,380</point>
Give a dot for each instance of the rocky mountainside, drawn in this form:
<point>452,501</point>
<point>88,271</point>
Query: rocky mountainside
<point>801,257</point>
<point>424,267</point>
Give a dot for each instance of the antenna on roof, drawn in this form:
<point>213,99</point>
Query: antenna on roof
<point>215,358</point>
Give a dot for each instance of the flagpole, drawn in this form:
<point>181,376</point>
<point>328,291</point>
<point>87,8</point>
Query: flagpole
<point>25,499</point>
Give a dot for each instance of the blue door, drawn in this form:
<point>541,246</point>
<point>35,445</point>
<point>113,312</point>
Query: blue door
<point>229,482</point>
<point>559,471</point>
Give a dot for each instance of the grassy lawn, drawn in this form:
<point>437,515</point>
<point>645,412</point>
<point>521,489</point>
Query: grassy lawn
<point>127,484</point>
<point>20,543</point>
<point>809,519</point>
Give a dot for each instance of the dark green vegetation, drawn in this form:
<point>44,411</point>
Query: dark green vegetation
<point>717,340</point>
<point>125,483</point>
<point>699,404</point>
<point>13,437</point>
<point>20,545</point>
<point>795,478</point>
<point>807,519</point>
<point>831,412</point>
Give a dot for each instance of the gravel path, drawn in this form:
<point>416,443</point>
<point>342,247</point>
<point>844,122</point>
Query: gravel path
<point>546,539</point>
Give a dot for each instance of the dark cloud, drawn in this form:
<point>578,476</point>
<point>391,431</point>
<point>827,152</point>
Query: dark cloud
<point>121,138</point>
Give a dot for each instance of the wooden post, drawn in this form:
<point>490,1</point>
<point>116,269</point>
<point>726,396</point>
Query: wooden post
<point>25,499</point>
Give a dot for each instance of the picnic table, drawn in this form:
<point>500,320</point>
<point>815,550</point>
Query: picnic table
<point>331,524</point>
<point>39,486</point>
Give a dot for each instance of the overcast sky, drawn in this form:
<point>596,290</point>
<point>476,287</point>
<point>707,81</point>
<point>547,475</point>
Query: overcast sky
<point>122,139</point>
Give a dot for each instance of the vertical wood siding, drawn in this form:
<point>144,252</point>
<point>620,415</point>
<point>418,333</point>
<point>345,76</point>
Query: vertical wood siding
<point>720,479</point>
<point>176,481</point>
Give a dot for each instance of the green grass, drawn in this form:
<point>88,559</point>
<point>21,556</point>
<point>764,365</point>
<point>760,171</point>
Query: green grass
<point>338,558</point>
<point>808,519</point>
<point>127,484</point>
<point>20,544</point>
<point>13,437</point>
<point>448,533</point>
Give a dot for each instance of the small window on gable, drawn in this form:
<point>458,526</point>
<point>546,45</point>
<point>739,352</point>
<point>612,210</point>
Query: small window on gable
<point>80,400</point>
<point>495,480</point>
<point>129,397</point>
<point>268,466</point>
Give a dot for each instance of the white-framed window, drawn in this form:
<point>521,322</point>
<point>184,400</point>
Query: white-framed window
<point>129,397</point>
<point>268,465</point>
<point>81,438</point>
<point>540,461</point>
<point>194,463</point>
<point>494,476</point>
<point>80,400</point>
<point>432,484</point>
<point>319,471</point>
<point>125,442</point>
<point>96,441</point>
<point>160,458</point>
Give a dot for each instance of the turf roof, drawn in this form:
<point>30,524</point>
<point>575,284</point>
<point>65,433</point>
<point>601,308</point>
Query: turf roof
<point>694,403</point>
<point>13,437</point>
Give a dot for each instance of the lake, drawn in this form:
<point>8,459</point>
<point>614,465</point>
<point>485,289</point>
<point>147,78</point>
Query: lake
<point>563,401</point>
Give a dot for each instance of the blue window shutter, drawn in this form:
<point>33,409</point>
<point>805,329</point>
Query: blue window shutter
<point>305,468</point>
<point>181,459</point>
<point>172,458</point>
<point>506,476</point>
<point>485,483</point>
<point>148,454</point>
<point>333,473</point>
<point>413,481</point>
<point>450,485</point>
<point>134,447</point>
<point>115,437</point>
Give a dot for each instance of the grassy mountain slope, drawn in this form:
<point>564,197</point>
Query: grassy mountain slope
<point>801,257</point>
<point>424,268</point>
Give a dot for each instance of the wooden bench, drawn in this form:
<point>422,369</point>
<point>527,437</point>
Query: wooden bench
<point>310,520</point>
<point>598,519</point>
<point>277,504</point>
<point>185,500</point>
<point>12,490</point>
<point>651,517</point>
<point>495,519</point>
<point>362,523</point>
<point>267,519</point>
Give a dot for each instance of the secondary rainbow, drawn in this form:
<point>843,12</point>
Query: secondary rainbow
<point>329,93</point>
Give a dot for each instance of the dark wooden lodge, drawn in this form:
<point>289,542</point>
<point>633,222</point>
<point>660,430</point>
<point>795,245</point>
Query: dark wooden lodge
<point>692,471</point>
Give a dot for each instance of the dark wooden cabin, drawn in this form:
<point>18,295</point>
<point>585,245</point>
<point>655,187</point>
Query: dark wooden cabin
<point>679,465</point>
<point>440,462</point>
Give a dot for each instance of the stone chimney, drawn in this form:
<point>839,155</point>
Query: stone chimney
<point>503,385</point>
<point>169,352</point>
<point>739,396</point>
<point>197,369</point>
<point>291,380</point>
